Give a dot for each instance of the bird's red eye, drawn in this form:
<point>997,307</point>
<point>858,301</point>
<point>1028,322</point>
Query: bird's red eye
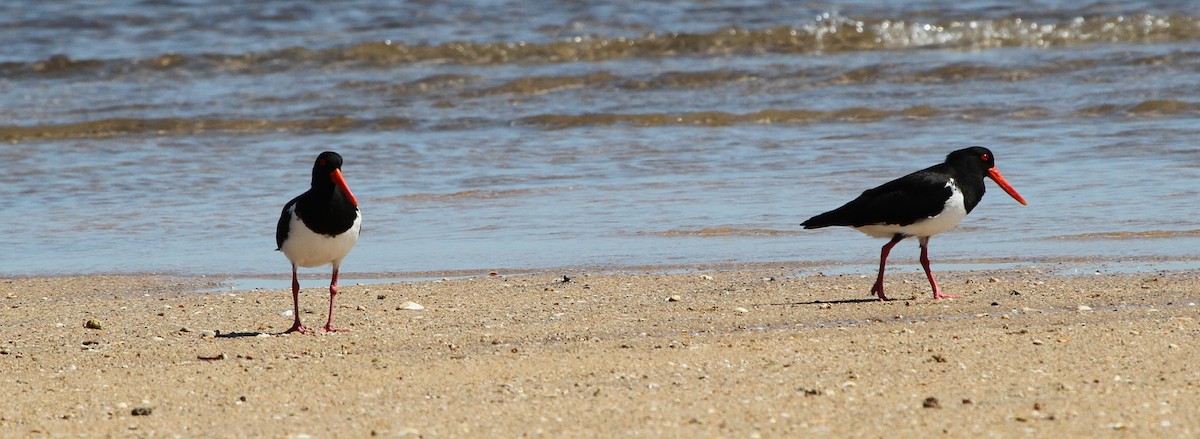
<point>985,157</point>
<point>323,160</point>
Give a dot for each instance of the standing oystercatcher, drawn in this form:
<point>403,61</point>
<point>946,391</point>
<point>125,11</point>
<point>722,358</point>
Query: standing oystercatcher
<point>319,227</point>
<point>921,204</point>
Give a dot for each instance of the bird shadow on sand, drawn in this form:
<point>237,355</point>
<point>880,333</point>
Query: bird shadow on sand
<point>839,301</point>
<point>240,334</point>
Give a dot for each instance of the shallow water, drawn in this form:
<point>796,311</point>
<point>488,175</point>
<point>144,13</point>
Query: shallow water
<point>486,135</point>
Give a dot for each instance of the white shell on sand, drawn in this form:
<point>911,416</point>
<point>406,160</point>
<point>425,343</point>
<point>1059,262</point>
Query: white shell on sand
<point>411,306</point>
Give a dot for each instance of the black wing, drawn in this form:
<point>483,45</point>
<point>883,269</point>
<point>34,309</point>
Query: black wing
<point>285,219</point>
<point>902,201</point>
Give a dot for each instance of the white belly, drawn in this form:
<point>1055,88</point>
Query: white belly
<point>306,248</point>
<point>951,215</point>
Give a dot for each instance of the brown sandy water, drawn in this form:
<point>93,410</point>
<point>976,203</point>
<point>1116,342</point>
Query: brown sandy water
<point>165,137</point>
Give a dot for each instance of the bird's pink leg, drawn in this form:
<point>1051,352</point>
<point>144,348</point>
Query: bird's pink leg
<point>296,326</point>
<point>887,248</point>
<point>333,293</point>
<point>937,292</point>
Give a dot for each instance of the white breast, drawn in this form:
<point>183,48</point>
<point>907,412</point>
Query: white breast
<point>951,215</point>
<point>306,248</point>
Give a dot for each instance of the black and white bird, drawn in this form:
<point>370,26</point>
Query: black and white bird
<point>319,227</point>
<point>921,204</point>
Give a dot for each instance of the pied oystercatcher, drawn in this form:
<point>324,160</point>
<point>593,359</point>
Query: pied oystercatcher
<point>921,204</point>
<point>319,227</point>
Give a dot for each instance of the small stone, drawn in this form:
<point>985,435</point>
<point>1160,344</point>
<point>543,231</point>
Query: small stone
<point>380,297</point>
<point>1084,308</point>
<point>674,298</point>
<point>993,280</point>
<point>92,324</point>
<point>410,306</point>
<point>1038,342</point>
<point>141,411</point>
<point>931,403</point>
<point>741,310</point>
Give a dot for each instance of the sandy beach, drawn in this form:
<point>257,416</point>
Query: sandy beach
<point>753,352</point>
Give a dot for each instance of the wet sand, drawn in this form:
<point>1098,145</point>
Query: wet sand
<point>731,353</point>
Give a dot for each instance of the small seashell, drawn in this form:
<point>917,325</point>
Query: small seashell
<point>1084,308</point>
<point>741,310</point>
<point>674,298</point>
<point>410,306</point>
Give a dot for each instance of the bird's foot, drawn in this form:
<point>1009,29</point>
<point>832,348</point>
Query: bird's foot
<point>297,327</point>
<point>877,290</point>
<point>939,295</point>
<point>879,293</point>
<point>330,328</point>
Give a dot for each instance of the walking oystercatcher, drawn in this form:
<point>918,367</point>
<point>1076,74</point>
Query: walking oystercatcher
<point>319,227</point>
<point>921,204</point>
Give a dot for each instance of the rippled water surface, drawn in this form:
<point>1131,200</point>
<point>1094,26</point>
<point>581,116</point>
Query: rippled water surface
<point>166,136</point>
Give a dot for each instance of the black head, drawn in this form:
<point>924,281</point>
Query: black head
<point>327,174</point>
<point>976,160</point>
<point>326,163</point>
<point>979,161</point>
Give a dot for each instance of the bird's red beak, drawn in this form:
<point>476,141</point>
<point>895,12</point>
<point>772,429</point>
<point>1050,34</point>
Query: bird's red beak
<point>995,174</point>
<point>336,175</point>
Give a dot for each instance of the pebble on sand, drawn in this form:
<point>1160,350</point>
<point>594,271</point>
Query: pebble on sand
<point>92,324</point>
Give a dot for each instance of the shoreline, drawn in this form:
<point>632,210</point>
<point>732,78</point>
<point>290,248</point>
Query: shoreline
<point>749,352</point>
<point>1088,265</point>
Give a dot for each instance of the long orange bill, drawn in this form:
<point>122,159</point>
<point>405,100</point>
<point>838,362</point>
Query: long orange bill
<point>336,175</point>
<point>995,174</point>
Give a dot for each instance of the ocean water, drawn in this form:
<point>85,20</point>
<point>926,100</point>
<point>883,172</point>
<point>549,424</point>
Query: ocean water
<point>165,136</point>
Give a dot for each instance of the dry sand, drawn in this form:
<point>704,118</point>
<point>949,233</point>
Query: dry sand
<point>740,353</point>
